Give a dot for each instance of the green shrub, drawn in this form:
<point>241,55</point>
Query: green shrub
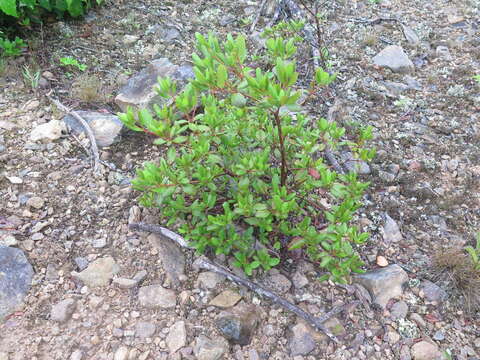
<point>243,174</point>
<point>11,48</point>
<point>26,11</point>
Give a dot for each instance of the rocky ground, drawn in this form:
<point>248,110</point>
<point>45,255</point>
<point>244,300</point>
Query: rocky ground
<point>101,291</point>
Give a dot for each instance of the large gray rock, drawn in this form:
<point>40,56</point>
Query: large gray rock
<point>171,258</point>
<point>139,91</point>
<point>207,349</point>
<point>15,279</point>
<point>383,284</point>
<point>98,273</point>
<point>105,127</point>
<point>394,58</point>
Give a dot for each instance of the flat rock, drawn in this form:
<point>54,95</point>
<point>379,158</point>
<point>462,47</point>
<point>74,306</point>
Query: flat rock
<point>433,292</point>
<point>208,349</point>
<point>238,325</point>
<point>121,353</point>
<point>391,231</point>
<point>124,283</point>
<point>226,299</point>
<point>424,350</point>
<point>8,240</point>
<point>394,58</point>
<point>301,341</point>
<point>145,329</point>
<point>15,279</point>
<point>156,296</point>
<point>210,279</point>
<point>399,310</point>
<point>48,132</point>
<point>171,258</point>
<point>279,283</point>
<point>62,311</point>
<point>75,355</point>
<point>299,280</point>
<point>383,284</point>
<point>106,128</point>
<point>177,337</point>
<point>35,202</point>
<point>139,91</point>
<point>98,273</point>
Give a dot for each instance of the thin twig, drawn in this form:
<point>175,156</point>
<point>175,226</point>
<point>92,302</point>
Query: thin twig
<point>317,323</point>
<point>156,229</point>
<point>88,130</point>
<point>255,21</point>
<point>203,263</point>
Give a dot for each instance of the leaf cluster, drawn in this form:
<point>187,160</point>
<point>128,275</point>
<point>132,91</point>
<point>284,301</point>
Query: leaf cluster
<point>243,173</point>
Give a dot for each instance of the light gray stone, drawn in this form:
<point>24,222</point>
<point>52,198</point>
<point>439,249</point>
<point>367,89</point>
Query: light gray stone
<point>394,58</point>
<point>121,353</point>
<point>301,341</point>
<point>35,202</point>
<point>15,279</point>
<point>352,164</point>
<point>299,280</point>
<point>106,128</point>
<point>139,91</point>
<point>399,310</point>
<point>155,296</point>
<point>391,231</point>
<point>207,349</point>
<point>209,279</point>
<point>145,329</point>
<point>76,355</point>
<point>424,350</point>
<point>98,273</point>
<point>62,311</point>
<point>383,284</point>
<point>410,35</point>
<point>433,292</point>
<point>8,240</point>
<point>279,283</point>
<point>171,258</point>
<point>177,337</point>
<point>124,283</point>
<point>48,132</point>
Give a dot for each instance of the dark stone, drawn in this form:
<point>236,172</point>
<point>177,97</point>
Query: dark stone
<point>239,325</point>
<point>15,279</point>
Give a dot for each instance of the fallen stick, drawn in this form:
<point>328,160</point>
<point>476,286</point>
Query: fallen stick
<point>88,130</point>
<point>203,263</point>
<point>254,23</point>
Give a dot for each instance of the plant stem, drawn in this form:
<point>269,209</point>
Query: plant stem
<point>284,169</point>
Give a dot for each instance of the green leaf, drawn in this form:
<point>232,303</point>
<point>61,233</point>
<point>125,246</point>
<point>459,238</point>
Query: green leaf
<point>222,76</point>
<point>9,7</point>
<point>180,139</point>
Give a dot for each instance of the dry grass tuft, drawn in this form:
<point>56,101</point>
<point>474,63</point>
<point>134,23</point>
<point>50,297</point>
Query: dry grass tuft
<point>456,271</point>
<point>88,88</point>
